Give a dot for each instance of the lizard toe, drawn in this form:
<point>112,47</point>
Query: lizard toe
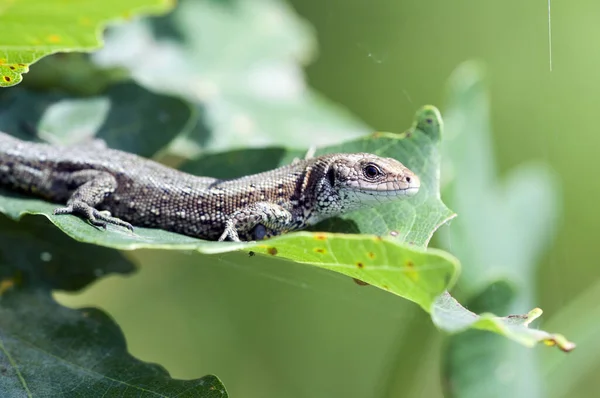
<point>63,210</point>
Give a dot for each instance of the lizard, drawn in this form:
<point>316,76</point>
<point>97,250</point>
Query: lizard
<point>107,186</point>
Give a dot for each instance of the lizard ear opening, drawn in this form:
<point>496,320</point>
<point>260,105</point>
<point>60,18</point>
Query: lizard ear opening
<point>331,176</point>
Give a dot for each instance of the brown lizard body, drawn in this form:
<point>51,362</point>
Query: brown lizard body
<point>93,181</point>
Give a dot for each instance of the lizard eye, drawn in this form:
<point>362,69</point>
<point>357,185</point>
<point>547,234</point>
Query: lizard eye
<point>371,171</point>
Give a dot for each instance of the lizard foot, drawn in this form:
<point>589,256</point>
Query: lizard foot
<point>97,218</point>
<point>230,233</point>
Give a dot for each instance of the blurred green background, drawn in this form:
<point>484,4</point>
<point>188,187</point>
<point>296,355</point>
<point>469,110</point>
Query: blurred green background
<point>295,331</point>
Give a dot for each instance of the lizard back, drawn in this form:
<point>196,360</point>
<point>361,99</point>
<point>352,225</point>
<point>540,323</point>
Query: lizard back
<point>148,194</point>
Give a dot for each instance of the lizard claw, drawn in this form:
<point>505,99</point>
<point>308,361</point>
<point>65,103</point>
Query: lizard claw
<point>97,218</point>
<point>101,215</point>
<point>99,224</point>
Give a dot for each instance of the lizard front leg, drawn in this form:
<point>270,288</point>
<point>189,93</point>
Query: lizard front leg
<point>259,218</point>
<point>92,187</point>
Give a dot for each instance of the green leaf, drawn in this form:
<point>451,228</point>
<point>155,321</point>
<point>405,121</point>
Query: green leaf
<point>240,62</point>
<point>50,350</point>
<point>503,368</point>
<point>500,235</point>
<point>32,29</point>
<point>504,226</point>
<point>449,315</point>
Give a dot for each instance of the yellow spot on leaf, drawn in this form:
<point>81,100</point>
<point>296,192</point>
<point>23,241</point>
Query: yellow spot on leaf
<point>54,39</point>
<point>2,61</point>
<point>5,285</point>
<point>272,251</point>
<point>320,237</point>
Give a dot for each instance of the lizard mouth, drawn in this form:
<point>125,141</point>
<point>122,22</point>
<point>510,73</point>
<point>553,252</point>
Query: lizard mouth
<point>391,194</point>
<point>410,191</point>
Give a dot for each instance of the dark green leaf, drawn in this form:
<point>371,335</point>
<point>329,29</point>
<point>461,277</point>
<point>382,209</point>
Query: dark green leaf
<point>50,350</point>
<point>73,73</point>
<point>126,116</point>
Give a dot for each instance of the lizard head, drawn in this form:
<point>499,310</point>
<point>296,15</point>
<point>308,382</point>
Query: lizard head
<point>363,179</point>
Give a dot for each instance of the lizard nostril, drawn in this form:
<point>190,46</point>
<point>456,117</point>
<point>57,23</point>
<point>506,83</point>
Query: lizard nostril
<point>408,179</point>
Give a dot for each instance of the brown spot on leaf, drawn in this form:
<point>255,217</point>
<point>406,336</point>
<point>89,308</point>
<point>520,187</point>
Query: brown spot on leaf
<point>12,67</point>
<point>272,251</point>
<point>6,78</point>
<point>359,282</point>
<point>320,250</point>
<point>386,287</point>
<point>251,253</point>
<point>410,271</point>
<point>320,237</point>
<point>371,255</point>
<point>360,265</point>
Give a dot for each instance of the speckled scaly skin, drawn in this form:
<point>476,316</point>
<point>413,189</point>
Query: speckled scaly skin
<point>104,185</point>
